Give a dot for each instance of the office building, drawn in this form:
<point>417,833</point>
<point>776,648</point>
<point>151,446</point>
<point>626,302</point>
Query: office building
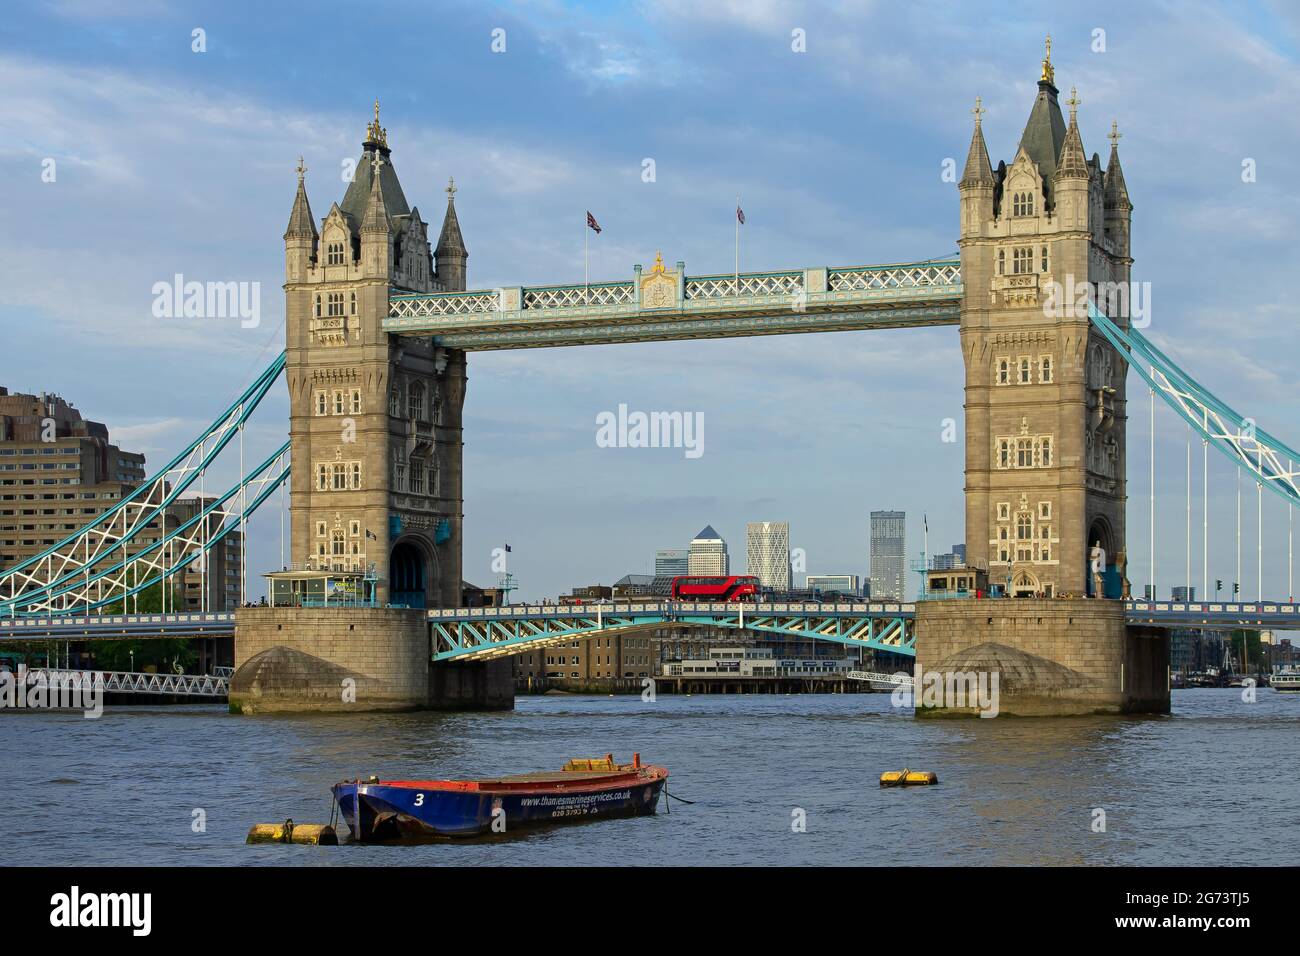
<point>672,562</point>
<point>768,553</point>
<point>708,554</point>
<point>888,533</point>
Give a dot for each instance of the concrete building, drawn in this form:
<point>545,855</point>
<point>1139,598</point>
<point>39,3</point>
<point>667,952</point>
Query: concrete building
<point>672,562</point>
<point>838,583</point>
<point>708,554</point>
<point>888,537</point>
<point>214,582</point>
<point>768,553</point>
<point>956,558</point>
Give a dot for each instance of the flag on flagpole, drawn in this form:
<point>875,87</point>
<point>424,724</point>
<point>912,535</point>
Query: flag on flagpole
<point>740,214</point>
<point>592,224</point>
<point>507,549</point>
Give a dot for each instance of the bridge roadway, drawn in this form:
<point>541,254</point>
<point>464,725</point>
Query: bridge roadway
<point>484,633</point>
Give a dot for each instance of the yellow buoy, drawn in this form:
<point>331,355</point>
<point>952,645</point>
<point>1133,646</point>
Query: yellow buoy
<point>310,834</point>
<point>908,778</point>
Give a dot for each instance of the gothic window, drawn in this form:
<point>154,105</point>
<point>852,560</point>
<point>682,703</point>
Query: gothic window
<point>1045,368</point>
<point>338,402</point>
<point>1025,376</point>
<point>321,404</point>
<point>1045,455</point>
<point>318,307</point>
<point>1024,453</point>
<point>334,303</point>
<point>337,543</point>
<point>415,401</point>
<point>354,478</point>
<point>433,476</point>
<point>1004,453</point>
<point>1022,204</point>
<point>334,254</point>
<point>339,476</point>
<point>354,529</point>
<point>1004,511</point>
<point>417,476</point>
<point>320,529</point>
<point>356,401</point>
<point>394,401</point>
<point>1044,261</point>
<point>1022,260</point>
<point>399,470</point>
<point>1004,371</point>
<point>1044,509</point>
<point>1002,264</point>
<point>354,295</point>
<point>322,478</point>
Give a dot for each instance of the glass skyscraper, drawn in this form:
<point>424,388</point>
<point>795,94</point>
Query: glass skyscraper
<point>888,532</point>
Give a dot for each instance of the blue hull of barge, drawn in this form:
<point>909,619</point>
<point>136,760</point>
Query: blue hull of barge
<point>379,811</point>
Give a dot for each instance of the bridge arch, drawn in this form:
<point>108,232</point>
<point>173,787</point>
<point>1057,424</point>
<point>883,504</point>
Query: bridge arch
<point>409,572</point>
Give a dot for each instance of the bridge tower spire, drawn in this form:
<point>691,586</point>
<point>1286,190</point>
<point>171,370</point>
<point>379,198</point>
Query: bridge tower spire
<point>1045,403</point>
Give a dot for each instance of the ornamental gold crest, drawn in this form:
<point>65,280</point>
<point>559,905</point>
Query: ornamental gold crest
<point>659,288</point>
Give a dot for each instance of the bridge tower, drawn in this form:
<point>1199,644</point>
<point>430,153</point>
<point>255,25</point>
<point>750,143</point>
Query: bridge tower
<point>1045,398</point>
<point>375,419</point>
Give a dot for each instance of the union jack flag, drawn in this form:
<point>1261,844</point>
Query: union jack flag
<point>591,222</point>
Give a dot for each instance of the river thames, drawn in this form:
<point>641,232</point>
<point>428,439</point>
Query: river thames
<point>1198,787</point>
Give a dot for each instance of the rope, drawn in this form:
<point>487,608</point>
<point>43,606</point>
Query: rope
<point>677,798</point>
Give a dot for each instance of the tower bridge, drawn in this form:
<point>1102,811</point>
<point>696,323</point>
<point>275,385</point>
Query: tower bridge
<point>380,322</point>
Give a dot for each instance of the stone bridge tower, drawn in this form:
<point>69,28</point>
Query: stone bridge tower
<point>375,419</point>
<point>1045,398</point>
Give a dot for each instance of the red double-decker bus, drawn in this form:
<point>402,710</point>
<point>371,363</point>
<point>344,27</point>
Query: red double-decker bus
<point>701,588</point>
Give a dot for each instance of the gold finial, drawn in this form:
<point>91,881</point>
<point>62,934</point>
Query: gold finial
<point>1049,74</point>
<point>451,189</point>
<point>659,263</point>
<point>978,111</point>
<point>1115,134</point>
<point>302,170</point>
<point>1074,103</point>
<point>374,132</point>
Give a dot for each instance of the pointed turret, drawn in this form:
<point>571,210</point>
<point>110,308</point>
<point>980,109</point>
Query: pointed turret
<point>1116,189</point>
<point>450,254</point>
<point>978,171</point>
<point>301,223</point>
<point>376,217</point>
<point>1073,162</point>
<point>358,192</point>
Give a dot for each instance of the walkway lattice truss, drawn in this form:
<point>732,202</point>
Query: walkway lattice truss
<point>485,633</point>
<point>1265,458</point>
<point>106,560</point>
<point>126,682</point>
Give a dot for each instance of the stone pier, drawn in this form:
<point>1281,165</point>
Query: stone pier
<point>352,660</point>
<point>1053,657</point>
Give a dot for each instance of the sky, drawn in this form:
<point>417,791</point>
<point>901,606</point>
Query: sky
<point>170,159</point>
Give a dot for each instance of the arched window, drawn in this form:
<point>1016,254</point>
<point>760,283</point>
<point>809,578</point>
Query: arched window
<point>318,307</point>
<point>417,475</point>
<point>355,479</point>
<point>415,401</point>
<point>395,401</point>
<point>354,299</point>
<point>399,470</point>
<point>433,476</point>
<point>321,404</point>
<point>1022,204</point>
<point>337,544</point>
<point>1002,268</point>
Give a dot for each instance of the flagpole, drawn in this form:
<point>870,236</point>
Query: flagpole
<point>737,245</point>
<point>585,227</point>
